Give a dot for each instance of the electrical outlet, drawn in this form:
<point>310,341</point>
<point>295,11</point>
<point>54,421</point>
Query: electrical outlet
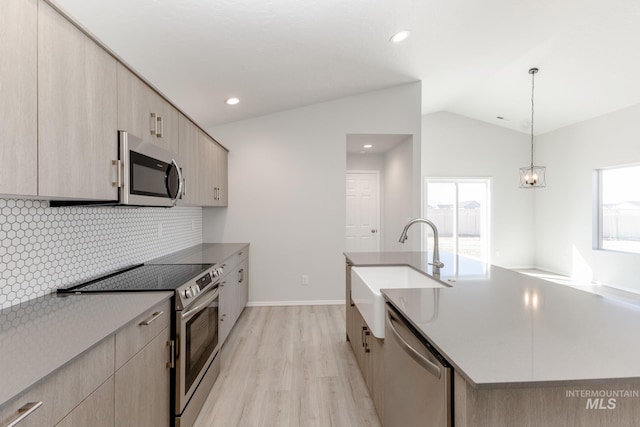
<point>305,280</point>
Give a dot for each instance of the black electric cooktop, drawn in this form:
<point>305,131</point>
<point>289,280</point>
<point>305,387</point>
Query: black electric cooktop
<point>141,278</point>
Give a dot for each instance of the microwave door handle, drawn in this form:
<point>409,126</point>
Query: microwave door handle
<point>179,193</point>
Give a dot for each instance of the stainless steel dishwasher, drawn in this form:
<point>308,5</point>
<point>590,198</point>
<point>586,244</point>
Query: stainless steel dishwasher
<point>418,381</point>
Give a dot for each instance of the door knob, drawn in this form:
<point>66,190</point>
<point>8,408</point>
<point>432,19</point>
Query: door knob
<point>374,230</point>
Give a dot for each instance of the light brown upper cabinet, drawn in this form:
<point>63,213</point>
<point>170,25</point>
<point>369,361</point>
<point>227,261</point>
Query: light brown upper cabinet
<point>77,129</point>
<point>144,113</point>
<point>207,174</point>
<point>221,175</point>
<point>214,173</point>
<point>18,100</point>
<point>189,154</point>
<point>204,166</point>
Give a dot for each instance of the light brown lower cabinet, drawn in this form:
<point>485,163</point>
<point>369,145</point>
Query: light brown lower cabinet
<point>87,392</point>
<point>369,351</point>
<point>609,403</point>
<point>142,387</point>
<point>234,292</point>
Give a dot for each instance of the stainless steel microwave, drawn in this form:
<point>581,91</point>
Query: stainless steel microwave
<point>147,175</point>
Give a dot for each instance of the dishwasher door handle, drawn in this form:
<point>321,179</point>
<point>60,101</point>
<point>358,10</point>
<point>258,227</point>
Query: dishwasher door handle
<point>427,364</point>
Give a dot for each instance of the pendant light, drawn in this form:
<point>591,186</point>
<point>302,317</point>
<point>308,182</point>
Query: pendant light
<point>532,176</point>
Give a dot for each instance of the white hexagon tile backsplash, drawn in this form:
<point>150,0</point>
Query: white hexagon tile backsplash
<point>43,248</point>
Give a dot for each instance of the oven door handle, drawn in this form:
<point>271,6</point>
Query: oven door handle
<point>202,305</point>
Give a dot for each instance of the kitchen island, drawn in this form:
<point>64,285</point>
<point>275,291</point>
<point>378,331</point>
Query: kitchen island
<point>525,351</point>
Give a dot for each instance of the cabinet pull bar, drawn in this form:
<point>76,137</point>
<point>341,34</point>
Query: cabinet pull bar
<point>153,124</point>
<point>160,128</point>
<point>150,320</point>
<point>241,273</point>
<point>22,413</point>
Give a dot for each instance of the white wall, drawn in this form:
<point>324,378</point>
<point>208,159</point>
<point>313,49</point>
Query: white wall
<point>397,202</point>
<point>564,207</point>
<point>287,192</point>
<point>456,146</point>
<point>366,162</point>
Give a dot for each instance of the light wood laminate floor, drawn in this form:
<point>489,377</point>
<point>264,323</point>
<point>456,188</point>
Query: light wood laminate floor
<point>289,366</point>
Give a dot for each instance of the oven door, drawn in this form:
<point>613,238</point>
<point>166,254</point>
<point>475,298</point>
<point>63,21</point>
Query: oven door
<point>150,174</point>
<point>197,336</point>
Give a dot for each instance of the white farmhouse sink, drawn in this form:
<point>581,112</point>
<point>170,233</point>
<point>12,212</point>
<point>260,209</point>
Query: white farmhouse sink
<point>366,283</point>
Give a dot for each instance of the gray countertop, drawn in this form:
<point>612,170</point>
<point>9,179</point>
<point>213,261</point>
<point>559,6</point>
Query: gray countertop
<point>500,328</point>
<point>39,336</point>
<point>205,253</point>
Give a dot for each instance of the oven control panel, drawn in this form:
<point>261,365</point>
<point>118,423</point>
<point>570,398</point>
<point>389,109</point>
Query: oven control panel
<point>202,283</point>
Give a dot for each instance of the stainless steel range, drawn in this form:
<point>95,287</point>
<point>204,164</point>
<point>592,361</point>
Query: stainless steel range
<point>194,328</point>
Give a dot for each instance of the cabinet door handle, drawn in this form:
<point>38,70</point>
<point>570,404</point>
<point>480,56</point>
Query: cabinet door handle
<point>160,128</point>
<point>366,341</point>
<point>241,274</point>
<point>153,124</point>
<point>22,413</point>
<point>184,187</point>
<point>152,319</point>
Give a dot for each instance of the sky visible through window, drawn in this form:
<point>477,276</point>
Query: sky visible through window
<point>621,185</point>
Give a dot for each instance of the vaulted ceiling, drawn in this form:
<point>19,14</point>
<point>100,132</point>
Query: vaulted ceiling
<point>471,56</point>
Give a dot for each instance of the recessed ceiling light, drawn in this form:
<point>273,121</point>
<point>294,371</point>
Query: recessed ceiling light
<point>400,36</point>
<point>232,101</point>
<point>367,146</point>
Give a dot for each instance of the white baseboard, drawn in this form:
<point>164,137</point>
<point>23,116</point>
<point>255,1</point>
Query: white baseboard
<point>286,303</point>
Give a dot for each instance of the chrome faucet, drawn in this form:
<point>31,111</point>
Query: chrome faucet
<point>437,264</point>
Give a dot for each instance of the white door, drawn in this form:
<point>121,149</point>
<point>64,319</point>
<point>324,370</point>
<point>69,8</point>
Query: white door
<point>362,212</point>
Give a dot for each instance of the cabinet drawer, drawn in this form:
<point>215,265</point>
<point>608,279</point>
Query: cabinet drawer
<point>61,391</point>
<point>134,336</point>
<point>230,263</point>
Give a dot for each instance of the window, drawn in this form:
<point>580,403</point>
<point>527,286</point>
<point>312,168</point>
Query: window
<point>460,210</point>
<point>618,209</point>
